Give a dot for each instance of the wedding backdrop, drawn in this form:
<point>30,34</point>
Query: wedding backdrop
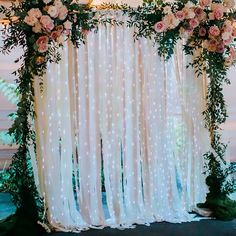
<point>117,106</point>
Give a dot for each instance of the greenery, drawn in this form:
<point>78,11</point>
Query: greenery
<point>204,28</point>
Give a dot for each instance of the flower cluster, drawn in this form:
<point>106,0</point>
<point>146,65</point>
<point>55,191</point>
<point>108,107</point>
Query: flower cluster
<point>209,21</point>
<point>48,23</point>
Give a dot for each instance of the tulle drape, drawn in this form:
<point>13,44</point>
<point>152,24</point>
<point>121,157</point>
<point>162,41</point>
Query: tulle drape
<point>120,135</point>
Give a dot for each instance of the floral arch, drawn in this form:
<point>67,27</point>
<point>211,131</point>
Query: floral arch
<point>40,27</point>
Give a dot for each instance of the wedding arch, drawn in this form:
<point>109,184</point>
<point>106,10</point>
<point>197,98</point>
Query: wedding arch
<point>97,121</point>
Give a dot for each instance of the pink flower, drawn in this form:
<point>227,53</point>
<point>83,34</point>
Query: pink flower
<point>160,27</point>
<point>42,43</point>
<point>202,32</point>
<point>54,35</point>
<point>67,25</point>
<point>57,3</point>
<point>193,23</point>
<point>211,16</point>
<point>218,10</point>
<point>199,13</point>
<point>214,31</point>
<point>63,11</point>
<point>170,21</point>
<point>205,3</point>
<point>60,28</point>
<point>220,48</point>
<point>228,41</point>
<point>30,20</point>
<point>229,4</point>
<point>180,15</point>
<point>226,35</point>
<point>189,13</point>
<point>167,10</point>
<point>35,12</point>
<point>47,23</point>
<point>234,32</point>
<point>211,45</point>
<point>53,12</point>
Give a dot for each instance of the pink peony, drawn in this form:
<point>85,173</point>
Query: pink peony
<point>63,11</point>
<point>30,20</point>
<point>218,10</point>
<point>193,23</point>
<point>179,15</point>
<point>202,32</point>
<point>42,43</point>
<point>160,27</point>
<point>47,23</point>
<point>35,12</point>
<point>214,31</point>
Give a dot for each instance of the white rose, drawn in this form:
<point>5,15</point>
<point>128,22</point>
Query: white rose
<point>67,25</point>
<point>53,11</point>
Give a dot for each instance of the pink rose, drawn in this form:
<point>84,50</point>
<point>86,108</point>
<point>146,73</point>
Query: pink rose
<point>67,25</point>
<point>218,10</point>
<point>234,32</point>
<point>30,20</point>
<point>199,13</point>
<point>189,13</point>
<point>193,23</point>
<point>202,32</point>
<point>63,11</point>
<point>214,31</point>
<point>229,4</point>
<point>228,41</point>
<point>211,45</point>
<point>160,27</point>
<point>211,16</point>
<point>179,15</point>
<point>170,21</point>
<point>54,35</point>
<point>47,23</point>
<point>42,43</point>
<point>35,12</point>
<point>53,12</point>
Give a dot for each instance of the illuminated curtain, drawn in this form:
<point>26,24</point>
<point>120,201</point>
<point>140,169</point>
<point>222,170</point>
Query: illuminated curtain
<point>120,135</point>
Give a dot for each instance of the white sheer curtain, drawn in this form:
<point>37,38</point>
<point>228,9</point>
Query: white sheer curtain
<point>120,136</point>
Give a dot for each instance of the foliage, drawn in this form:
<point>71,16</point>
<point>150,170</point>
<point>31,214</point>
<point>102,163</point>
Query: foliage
<point>40,27</point>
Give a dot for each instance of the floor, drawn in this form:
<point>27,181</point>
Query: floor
<point>202,228</point>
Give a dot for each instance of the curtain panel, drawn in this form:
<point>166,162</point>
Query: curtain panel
<point>120,134</point>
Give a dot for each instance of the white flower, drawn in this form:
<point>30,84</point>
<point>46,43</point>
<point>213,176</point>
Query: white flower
<point>35,12</point>
<point>47,1</point>
<point>53,11</point>
<point>226,35</point>
<point>30,20</point>
<point>67,25</point>
<point>167,10</point>
<point>82,2</point>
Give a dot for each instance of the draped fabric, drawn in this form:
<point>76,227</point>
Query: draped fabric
<point>120,135</point>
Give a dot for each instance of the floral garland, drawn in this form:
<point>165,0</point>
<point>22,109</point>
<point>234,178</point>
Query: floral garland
<point>209,29</point>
